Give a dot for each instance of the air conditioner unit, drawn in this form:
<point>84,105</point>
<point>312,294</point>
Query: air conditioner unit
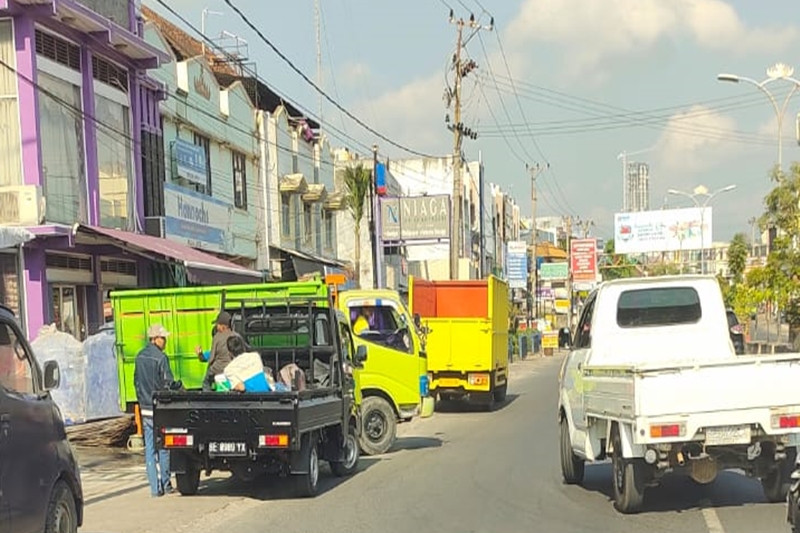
<point>155,226</point>
<point>21,205</point>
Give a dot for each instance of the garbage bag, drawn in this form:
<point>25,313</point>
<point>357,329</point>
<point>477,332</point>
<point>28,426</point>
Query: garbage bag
<point>70,396</point>
<point>102,376</point>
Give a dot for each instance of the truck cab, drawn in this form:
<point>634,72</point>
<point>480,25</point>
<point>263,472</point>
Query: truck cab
<point>394,382</point>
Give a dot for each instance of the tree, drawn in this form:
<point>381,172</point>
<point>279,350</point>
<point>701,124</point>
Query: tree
<point>738,251</point>
<point>783,263</point>
<point>356,184</point>
<point>617,266</point>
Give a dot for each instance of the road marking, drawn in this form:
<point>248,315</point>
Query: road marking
<point>712,521</point>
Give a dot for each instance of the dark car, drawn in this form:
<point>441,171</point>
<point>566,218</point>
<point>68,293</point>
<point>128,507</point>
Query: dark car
<point>736,332</point>
<point>39,478</point>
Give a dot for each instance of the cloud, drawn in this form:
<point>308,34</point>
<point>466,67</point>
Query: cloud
<point>412,115</point>
<point>594,32</point>
<point>353,74</point>
<point>693,141</point>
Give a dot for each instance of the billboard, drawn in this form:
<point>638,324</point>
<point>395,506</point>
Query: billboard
<point>554,271</point>
<point>415,218</point>
<point>517,264</point>
<point>583,259</point>
<point>666,230</point>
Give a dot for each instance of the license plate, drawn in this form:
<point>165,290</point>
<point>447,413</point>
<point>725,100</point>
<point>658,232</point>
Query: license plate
<point>724,435</point>
<point>449,382</point>
<point>230,449</point>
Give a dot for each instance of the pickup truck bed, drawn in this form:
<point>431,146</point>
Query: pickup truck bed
<point>712,394</point>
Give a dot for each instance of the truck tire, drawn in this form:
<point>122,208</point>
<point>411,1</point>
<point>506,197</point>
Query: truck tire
<point>351,453</point>
<point>378,425</point>
<point>500,393</point>
<point>628,478</point>
<point>572,466</point>
<point>61,514</point>
<point>188,481</point>
<point>307,484</point>
<point>776,484</point>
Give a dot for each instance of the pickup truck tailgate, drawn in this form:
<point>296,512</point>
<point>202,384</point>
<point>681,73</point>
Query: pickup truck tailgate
<point>744,390</point>
<point>213,416</point>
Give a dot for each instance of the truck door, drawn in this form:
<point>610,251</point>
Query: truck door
<point>27,464</point>
<point>572,374</point>
<point>393,349</point>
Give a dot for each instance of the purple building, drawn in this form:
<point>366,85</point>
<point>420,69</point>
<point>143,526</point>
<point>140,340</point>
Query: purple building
<point>81,124</point>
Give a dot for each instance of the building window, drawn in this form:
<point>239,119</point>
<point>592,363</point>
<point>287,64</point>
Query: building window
<point>286,215</point>
<point>307,223</point>
<point>239,180</point>
<point>11,160</point>
<point>69,309</point>
<point>59,50</point>
<point>61,145</point>
<point>110,74</point>
<point>205,142</point>
<point>329,233</point>
<point>9,282</point>
<point>114,163</point>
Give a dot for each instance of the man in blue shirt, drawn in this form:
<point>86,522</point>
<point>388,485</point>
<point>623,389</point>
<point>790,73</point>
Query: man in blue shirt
<point>152,373</point>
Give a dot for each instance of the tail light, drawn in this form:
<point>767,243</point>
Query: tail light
<point>786,421</point>
<point>178,441</point>
<point>273,441</point>
<point>661,431</point>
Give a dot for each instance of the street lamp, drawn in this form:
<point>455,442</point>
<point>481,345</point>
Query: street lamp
<point>779,71</point>
<point>702,191</point>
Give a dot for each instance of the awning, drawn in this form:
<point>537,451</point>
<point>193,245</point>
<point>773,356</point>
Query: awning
<point>200,267</point>
<point>11,236</point>
<point>305,263</point>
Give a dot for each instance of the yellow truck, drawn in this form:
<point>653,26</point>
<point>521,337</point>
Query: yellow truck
<point>466,339</point>
<point>394,381</point>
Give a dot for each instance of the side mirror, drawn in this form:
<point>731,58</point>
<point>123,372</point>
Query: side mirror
<point>417,321</point>
<point>360,357</point>
<point>52,375</point>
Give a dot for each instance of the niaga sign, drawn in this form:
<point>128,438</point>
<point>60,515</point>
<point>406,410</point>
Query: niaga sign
<point>415,218</point>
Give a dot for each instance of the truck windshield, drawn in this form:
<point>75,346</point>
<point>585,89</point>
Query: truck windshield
<point>658,307</point>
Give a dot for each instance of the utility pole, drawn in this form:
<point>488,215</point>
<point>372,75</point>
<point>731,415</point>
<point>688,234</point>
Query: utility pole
<point>459,130</point>
<point>585,226</point>
<point>569,271</point>
<point>533,289</point>
<point>372,233</point>
<point>317,25</point>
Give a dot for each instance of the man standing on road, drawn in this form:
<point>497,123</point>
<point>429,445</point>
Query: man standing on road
<point>219,356</point>
<point>152,373</point>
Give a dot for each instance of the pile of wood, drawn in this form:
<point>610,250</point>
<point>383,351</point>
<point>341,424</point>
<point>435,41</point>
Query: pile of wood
<point>103,433</point>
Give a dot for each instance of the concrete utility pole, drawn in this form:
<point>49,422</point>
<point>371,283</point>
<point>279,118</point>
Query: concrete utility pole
<point>585,226</point>
<point>569,271</point>
<point>459,130</point>
<point>534,278</point>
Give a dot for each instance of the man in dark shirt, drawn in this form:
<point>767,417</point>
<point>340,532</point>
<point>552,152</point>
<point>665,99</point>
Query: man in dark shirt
<point>152,373</point>
<point>219,356</point>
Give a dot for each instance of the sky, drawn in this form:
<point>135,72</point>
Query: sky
<point>569,83</point>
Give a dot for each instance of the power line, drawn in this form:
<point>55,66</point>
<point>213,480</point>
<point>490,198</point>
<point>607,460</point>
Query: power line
<point>311,82</point>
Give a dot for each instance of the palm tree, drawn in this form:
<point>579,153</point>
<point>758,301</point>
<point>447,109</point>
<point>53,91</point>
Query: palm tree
<point>356,184</point>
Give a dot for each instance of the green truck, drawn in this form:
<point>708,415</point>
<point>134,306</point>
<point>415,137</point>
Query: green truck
<point>393,381</point>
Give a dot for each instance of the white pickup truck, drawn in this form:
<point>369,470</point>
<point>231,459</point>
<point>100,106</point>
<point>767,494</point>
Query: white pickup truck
<point>653,382</point>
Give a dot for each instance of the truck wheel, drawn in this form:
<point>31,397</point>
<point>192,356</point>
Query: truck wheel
<point>500,393</point>
<point>572,466</point>
<point>776,484</point>
<point>188,481</point>
<point>61,514</point>
<point>350,463</point>
<point>306,484</point>
<point>629,478</point>
<point>379,425</point>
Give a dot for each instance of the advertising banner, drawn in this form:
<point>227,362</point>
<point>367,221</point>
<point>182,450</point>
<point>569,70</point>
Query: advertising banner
<point>667,230</point>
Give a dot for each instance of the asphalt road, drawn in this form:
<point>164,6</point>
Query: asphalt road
<point>460,471</point>
<point>471,471</point>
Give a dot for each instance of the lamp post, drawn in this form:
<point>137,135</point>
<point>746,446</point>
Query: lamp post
<point>778,71</point>
<point>701,191</point>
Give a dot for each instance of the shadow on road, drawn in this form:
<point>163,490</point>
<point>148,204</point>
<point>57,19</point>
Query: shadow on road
<point>273,487</point>
<point>416,443</point>
<point>465,406</point>
<point>681,493</point>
